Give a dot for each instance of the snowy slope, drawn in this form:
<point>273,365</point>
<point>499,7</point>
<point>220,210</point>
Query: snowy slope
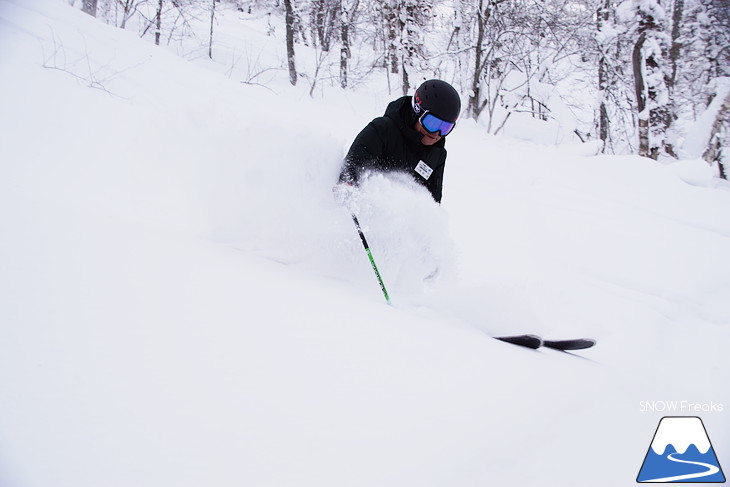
<point>181,302</point>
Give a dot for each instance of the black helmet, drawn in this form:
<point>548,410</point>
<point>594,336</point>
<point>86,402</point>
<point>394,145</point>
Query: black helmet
<point>439,98</point>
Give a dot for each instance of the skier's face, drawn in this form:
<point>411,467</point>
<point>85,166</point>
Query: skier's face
<point>428,138</point>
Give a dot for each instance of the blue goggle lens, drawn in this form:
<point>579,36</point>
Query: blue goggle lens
<point>434,124</point>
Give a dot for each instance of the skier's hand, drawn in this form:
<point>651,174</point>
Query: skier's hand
<point>343,194</point>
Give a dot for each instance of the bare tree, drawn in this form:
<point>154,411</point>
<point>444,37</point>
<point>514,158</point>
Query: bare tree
<point>348,13</point>
<point>392,25</point>
<point>158,22</point>
<point>212,21</point>
<point>719,137</point>
<point>324,16</point>
<point>289,18</point>
<point>483,13</point>
<point>717,41</point>
<point>603,16</point>
<point>402,23</point>
<point>129,9</point>
<point>676,47</point>
<point>648,60</point>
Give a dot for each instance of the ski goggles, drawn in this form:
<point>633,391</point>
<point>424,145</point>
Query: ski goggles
<point>434,124</point>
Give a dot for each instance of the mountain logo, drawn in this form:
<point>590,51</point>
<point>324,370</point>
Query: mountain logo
<point>681,452</point>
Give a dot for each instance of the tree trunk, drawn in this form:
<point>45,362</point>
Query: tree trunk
<point>212,20</point>
<point>320,14</point>
<point>391,20</point>
<point>406,81</point>
<point>602,17</point>
<point>652,81</point>
<point>476,80</point>
<point>406,45</point>
<point>714,150</point>
<point>483,16</point>
<point>345,47</point>
<point>290,41</point>
<point>676,47</point>
<point>158,22</point>
<point>640,89</point>
<point>126,8</point>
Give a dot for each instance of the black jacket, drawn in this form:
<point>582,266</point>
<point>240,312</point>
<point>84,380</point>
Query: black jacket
<point>391,143</point>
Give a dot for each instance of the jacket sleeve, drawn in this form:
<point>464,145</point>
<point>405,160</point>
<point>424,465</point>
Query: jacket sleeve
<point>365,153</point>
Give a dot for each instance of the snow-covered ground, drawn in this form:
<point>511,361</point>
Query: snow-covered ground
<point>183,304</point>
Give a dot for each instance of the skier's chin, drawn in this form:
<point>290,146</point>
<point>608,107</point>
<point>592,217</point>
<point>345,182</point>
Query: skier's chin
<point>430,139</point>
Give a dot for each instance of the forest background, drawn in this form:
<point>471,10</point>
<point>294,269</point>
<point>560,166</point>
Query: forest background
<point>636,76</point>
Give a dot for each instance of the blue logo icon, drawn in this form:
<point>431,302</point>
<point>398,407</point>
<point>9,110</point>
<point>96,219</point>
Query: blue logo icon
<point>681,452</point>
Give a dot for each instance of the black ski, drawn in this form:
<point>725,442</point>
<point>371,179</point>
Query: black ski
<point>529,341</point>
<point>572,344</point>
<point>535,342</point>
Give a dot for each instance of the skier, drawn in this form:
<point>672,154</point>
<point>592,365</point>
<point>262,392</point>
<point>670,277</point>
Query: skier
<point>409,138</point>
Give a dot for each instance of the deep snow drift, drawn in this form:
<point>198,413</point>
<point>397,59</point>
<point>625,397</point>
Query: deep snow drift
<point>182,303</point>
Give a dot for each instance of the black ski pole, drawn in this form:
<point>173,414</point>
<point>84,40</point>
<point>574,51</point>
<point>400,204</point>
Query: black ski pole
<point>370,256</point>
